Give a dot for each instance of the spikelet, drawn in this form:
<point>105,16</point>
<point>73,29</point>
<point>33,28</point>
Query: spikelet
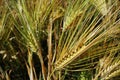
<point>32,46</point>
<point>100,5</point>
<point>70,18</point>
<point>113,74</point>
<point>109,69</point>
<point>68,58</point>
<point>32,42</point>
<point>72,12</point>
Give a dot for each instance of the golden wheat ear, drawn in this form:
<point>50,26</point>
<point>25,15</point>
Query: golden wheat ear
<point>111,70</point>
<point>72,12</point>
<point>88,32</point>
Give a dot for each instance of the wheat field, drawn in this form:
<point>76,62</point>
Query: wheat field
<point>59,40</point>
